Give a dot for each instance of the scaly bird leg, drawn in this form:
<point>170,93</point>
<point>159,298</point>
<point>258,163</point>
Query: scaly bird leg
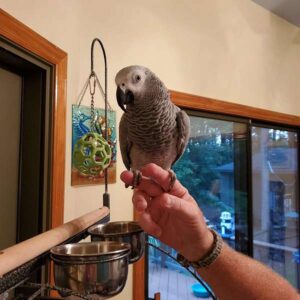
<point>137,177</point>
<point>172,180</point>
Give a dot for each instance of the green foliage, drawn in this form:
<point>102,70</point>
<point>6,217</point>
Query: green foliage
<point>198,167</point>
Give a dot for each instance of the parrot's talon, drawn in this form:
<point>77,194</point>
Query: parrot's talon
<point>172,180</point>
<point>137,177</point>
<point>127,185</point>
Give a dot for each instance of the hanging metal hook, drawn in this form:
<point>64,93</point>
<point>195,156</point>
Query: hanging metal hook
<point>105,75</point>
<point>105,195</point>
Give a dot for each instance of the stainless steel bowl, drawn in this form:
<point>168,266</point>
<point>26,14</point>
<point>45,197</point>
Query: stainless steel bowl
<point>123,231</point>
<point>97,268</point>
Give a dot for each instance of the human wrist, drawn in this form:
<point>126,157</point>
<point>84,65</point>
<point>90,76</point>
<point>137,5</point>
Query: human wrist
<point>207,259</point>
<point>200,247</point>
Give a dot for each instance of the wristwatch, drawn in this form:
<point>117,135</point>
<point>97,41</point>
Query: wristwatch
<point>208,259</point>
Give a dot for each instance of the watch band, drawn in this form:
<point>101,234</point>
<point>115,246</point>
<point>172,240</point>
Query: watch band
<point>209,258</point>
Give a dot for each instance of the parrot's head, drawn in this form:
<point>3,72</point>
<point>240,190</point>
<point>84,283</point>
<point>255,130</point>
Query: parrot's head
<point>136,84</point>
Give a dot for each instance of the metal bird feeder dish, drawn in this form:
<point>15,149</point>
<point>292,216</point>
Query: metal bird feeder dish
<point>92,154</point>
<point>124,232</point>
<point>98,269</point>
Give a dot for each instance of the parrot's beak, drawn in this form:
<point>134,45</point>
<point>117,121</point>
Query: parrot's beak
<point>124,98</point>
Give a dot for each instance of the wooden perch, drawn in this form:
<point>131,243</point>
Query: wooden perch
<point>17,255</point>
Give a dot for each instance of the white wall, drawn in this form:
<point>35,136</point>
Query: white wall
<point>226,49</point>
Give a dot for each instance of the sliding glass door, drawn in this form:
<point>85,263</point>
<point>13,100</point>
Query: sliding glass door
<point>214,170</point>
<point>275,199</point>
<point>245,178</point>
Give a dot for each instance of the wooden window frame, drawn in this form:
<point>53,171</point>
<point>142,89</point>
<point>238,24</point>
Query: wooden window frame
<point>205,104</point>
<point>22,36</point>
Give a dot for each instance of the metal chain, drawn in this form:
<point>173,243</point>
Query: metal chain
<point>56,288</point>
<point>92,87</point>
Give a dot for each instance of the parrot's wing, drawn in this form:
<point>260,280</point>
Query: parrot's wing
<point>183,127</point>
<point>124,144</point>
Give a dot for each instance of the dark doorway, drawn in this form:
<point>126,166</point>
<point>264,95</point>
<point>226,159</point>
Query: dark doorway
<point>26,135</point>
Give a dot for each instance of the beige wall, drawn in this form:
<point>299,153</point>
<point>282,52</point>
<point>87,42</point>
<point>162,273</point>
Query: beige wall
<point>227,49</point>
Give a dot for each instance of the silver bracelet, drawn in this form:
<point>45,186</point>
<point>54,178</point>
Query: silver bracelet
<point>209,258</point>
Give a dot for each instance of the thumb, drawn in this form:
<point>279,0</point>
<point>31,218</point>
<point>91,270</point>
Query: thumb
<point>147,223</point>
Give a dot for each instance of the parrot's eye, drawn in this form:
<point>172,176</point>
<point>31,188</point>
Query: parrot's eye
<point>137,78</point>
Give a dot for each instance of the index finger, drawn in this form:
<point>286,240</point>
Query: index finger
<point>162,178</point>
<point>146,184</point>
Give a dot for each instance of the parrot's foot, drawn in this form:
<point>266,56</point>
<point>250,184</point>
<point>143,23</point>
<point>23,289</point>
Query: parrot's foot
<point>137,177</point>
<point>172,180</point>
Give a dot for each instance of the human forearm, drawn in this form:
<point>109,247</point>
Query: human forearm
<point>236,276</point>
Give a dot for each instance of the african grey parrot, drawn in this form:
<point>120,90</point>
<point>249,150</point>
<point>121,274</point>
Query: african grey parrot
<point>152,129</point>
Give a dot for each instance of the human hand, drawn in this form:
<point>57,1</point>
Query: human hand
<point>173,217</point>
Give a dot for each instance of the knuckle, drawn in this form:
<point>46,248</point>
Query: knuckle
<point>183,193</point>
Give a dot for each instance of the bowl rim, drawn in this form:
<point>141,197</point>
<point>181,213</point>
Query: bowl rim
<point>125,248</point>
<point>96,226</point>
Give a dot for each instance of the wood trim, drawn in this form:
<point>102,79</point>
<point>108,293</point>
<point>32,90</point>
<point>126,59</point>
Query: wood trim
<point>138,274</point>
<point>189,101</point>
<point>157,296</point>
<point>223,107</point>
<point>21,35</point>
<point>59,144</point>
<point>139,279</point>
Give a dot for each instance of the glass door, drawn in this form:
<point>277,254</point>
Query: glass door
<point>276,200</point>
<point>214,170</point>
<point>245,178</point>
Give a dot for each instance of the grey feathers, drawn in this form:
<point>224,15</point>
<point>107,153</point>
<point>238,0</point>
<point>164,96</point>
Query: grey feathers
<point>152,128</point>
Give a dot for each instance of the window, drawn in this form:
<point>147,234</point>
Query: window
<point>276,200</point>
<point>244,175</point>
<point>212,169</point>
